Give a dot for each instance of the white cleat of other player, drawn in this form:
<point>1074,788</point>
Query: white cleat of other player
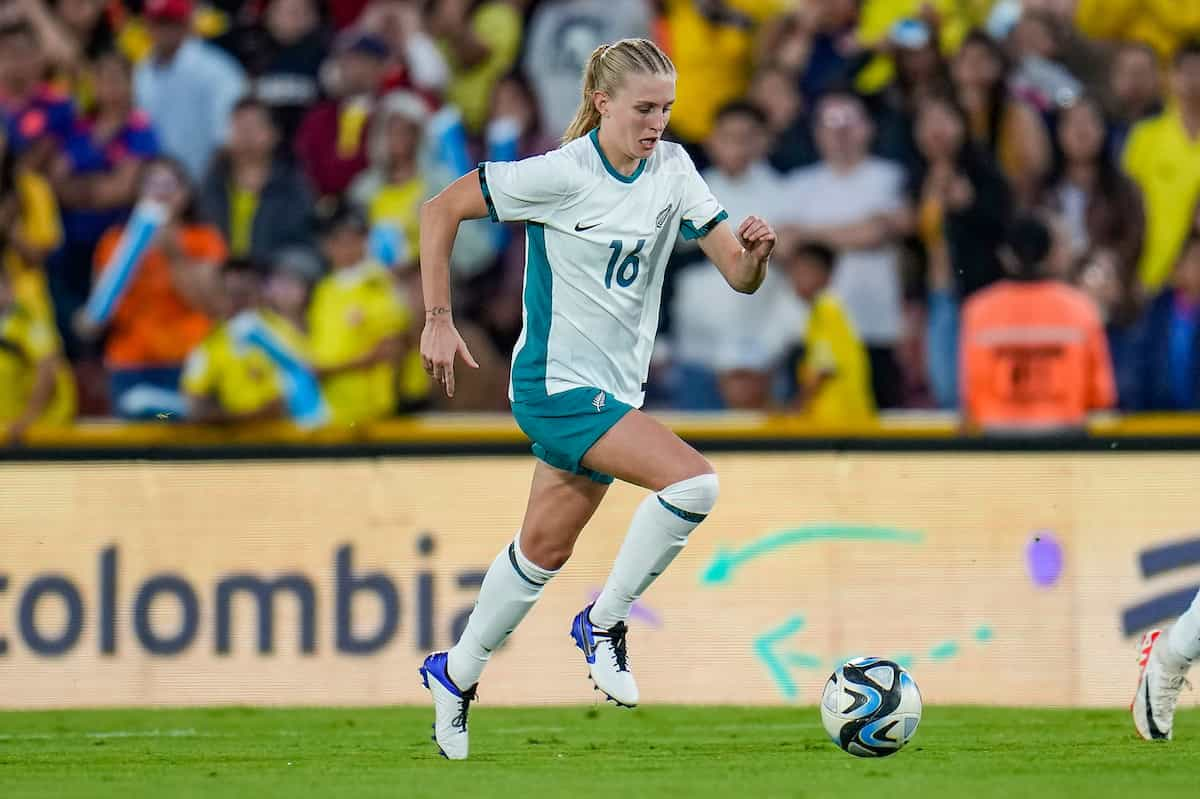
<point>607,659</point>
<point>450,707</point>
<point>1158,689</point>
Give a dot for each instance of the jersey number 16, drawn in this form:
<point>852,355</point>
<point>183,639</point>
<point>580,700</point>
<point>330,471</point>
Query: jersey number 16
<point>627,272</point>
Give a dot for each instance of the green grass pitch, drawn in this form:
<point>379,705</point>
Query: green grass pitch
<point>690,752</point>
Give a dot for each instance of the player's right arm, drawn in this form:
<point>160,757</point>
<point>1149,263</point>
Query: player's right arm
<point>440,216</point>
<point>531,190</point>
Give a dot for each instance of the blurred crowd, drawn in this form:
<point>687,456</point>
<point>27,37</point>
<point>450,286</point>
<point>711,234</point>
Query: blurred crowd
<point>983,205</point>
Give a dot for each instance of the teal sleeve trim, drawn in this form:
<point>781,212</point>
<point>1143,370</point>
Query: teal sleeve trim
<point>691,232</point>
<point>487,195</point>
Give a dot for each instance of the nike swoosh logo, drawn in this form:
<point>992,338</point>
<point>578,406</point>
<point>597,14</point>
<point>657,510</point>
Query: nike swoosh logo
<point>580,227</point>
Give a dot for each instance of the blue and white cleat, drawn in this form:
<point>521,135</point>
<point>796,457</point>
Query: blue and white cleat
<point>607,658</point>
<point>1159,686</point>
<point>450,707</point>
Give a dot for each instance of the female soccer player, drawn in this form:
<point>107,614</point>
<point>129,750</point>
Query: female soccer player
<point>601,215</point>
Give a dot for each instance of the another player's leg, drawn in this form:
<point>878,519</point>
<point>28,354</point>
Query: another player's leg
<point>560,504</point>
<point>641,451</point>
<point>1165,658</point>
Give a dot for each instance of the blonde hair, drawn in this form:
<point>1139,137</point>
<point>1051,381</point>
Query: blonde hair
<point>606,70</point>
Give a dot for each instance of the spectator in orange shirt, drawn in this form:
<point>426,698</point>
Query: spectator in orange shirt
<point>1034,354</point>
<point>166,309</point>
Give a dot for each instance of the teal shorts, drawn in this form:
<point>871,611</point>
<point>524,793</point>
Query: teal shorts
<point>563,427</point>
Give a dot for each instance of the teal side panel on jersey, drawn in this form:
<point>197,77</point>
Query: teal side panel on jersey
<point>691,232</point>
<point>529,370</point>
<point>487,194</point>
<point>641,167</point>
<point>562,426</point>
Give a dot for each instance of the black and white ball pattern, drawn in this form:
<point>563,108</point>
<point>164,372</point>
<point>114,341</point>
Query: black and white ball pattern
<point>871,707</point>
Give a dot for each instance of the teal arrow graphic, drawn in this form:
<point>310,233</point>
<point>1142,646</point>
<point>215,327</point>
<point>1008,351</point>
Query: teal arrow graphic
<point>726,561</point>
<point>777,663</point>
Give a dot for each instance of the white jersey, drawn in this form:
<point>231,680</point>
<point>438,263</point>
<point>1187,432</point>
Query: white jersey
<point>597,244</point>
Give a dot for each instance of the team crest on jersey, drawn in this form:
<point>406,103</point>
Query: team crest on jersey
<point>598,402</point>
<point>663,216</point>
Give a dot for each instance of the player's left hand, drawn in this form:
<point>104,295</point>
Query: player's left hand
<point>757,237</point>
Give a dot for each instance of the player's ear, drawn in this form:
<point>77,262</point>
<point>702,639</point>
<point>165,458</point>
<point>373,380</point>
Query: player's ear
<point>601,102</point>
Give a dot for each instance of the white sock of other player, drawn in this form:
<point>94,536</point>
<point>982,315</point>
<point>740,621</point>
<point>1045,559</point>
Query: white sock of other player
<point>658,532</point>
<point>1183,639</point>
<point>510,588</point>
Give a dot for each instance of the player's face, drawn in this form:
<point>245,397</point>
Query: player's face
<point>639,112</point>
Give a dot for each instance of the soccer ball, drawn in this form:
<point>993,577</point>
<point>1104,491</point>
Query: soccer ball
<point>871,707</point>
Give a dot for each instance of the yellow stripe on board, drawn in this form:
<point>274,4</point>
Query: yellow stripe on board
<point>500,429</point>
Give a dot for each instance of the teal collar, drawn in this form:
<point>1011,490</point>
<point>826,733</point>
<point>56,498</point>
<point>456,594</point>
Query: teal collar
<point>594,135</point>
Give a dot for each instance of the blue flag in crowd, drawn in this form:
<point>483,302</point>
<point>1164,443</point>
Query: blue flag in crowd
<point>118,273</point>
<point>302,392</point>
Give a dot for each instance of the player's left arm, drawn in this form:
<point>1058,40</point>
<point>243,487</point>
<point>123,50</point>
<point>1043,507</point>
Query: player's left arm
<point>741,255</point>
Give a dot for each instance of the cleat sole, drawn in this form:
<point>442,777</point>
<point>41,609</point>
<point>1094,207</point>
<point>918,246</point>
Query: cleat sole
<point>609,698</point>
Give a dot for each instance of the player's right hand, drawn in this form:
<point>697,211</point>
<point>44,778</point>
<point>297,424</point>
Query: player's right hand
<point>440,343</point>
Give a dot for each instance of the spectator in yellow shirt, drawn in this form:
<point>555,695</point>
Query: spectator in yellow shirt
<point>834,378</point>
<point>877,20</point>
<point>712,45</point>
<point>357,324</point>
<point>1163,158</point>
<point>1162,24</point>
<point>481,41</point>
<point>226,381</point>
<point>29,230</point>
<point>35,383</point>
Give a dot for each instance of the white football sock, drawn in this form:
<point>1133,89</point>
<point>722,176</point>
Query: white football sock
<point>510,588</point>
<point>1183,639</point>
<point>658,532</point>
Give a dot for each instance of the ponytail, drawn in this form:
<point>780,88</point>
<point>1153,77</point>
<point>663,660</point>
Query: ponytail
<point>605,72</point>
<point>586,116</point>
